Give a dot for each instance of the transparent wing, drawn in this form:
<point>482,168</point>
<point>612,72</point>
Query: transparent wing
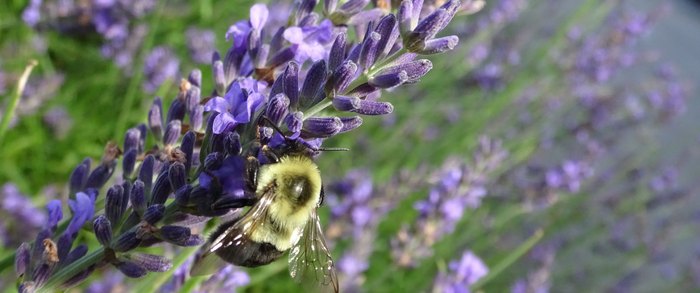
<point>231,241</point>
<point>310,260</point>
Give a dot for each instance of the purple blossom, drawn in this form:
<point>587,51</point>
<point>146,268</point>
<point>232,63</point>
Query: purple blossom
<point>243,99</point>
<point>313,41</point>
<point>461,274</point>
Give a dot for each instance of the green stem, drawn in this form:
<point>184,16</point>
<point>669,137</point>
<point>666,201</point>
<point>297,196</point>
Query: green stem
<point>317,108</point>
<point>509,260</point>
<point>72,269</point>
<point>14,101</point>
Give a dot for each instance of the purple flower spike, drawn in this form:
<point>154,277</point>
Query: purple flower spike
<point>322,126</point>
<point>311,91</point>
<point>369,51</point>
<point>103,230</point>
<point>152,263</point>
<point>277,108</point>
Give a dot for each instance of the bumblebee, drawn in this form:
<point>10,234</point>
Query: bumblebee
<point>284,217</point>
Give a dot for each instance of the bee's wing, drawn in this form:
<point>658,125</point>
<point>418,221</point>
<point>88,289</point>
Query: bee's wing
<point>310,260</point>
<point>232,237</point>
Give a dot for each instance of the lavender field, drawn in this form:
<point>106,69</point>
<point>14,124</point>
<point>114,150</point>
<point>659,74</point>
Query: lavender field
<point>349,146</point>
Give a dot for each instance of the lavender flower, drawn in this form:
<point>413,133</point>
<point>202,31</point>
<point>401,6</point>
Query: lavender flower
<point>17,208</point>
<point>161,64</point>
<point>201,44</point>
<point>462,273</point>
<point>115,21</point>
<point>460,186</point>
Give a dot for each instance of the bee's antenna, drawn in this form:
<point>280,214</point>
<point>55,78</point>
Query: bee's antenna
<point>333,149</point>
<point>272,124</point>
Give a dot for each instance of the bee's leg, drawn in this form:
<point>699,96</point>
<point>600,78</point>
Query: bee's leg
<point>228,202</point>
<point>322,197</point>
<point>270,155</point>
<point>252,168</point>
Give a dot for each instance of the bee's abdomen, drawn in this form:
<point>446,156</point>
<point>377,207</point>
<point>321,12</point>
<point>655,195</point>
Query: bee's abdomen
<point>249,253</point>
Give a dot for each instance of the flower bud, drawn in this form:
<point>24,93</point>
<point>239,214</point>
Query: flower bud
<point>187,147</point>
<point>322,126</point>
<point>337,53</point>
<point>115,204</point>
<point>146,174</point>
<point>175,234</point>
<point>313,84</point>
<point>126,242</point>
<point>79,177</point>
<point>22,257</point>
<point>128,163</point>
<point>155,118</point>
<point>369,51</point>
<point>154,213</point>
<point>177,175</point>
<point>152,263</point>
<point>177,110</point>
<point>103,230</point>
<point>219,77</point>
<point>131,269</point>
<point>172,132</point>
<point>350,123</point>
<point>294,121</point>
<point>291,83</point>
<point>277,108</point>
<point>138,198</point>
<point>161,188</point>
